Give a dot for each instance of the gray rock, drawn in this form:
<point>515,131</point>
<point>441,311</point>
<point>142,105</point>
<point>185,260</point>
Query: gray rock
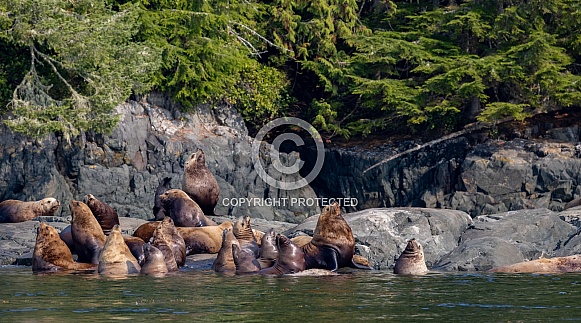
<point>507,238</point>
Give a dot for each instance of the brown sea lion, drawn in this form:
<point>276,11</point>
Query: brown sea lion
<point>88,237</point>
<point>116,258</point>
<point>569,264</point>
<point>203,239</point>
<point>184,211</point>
<point>105,214</point>
<point>13,211</point>
<point>174,239</point>
<point>244,260</point>
<point>224,262</point>
<point>411,261</point>
<point>154,263</point>
<point>290,260</point>
<point>145,231</point>
<point>52,254</point>
<point>268,251</point>
<point>135,245</point>
<point>162,241</point>
<point>164,186</point>
<point>200,184</point>
<point>300,241</point>
<point>245,235</point>
<point>333,244</point>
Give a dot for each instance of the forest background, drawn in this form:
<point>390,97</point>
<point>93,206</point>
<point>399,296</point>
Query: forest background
<point>351,68</point>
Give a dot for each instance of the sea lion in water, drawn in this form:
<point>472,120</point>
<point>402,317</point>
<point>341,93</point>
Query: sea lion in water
<point>203,239</point>
<point>244,260</point>
<point>333,244</point>
<point>245,235</point>
<point>105,214</point>
<point>88,237</point>
<point>164,186</point>
<point>224,262</point>
<point>116,258</point>
<point>13,211</point>
<point>161,241</point>
<point>200,184</point>
<point>184,211</point>
<point>290,260</point>
<point>154,263</point>
<point>268,251</point>
<point>52,254</point>
<point>135,245</point>
<point>411,261</point>
<point>569,264</point>
<point>174,239</point>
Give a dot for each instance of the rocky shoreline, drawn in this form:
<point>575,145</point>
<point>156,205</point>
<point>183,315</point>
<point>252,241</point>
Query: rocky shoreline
<point>452,240</point>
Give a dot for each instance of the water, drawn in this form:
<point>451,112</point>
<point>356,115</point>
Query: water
<point>194,296</point>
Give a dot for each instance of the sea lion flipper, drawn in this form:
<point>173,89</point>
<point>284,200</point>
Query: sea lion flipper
<point>359,266</point>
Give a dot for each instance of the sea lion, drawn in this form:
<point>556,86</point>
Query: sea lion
<point>164,186</point>
<point>245,235</point>
<point>268,251</point>
<point>184,211</point>
<point>411,261</point>
<point>244,260</point>
<point>224,262</point>
<point>333,244</point>
<point>300,241</point>
<point>200,184</point>
<point>174,239</point>
<point>135,245</point>
<point>52,254</point>
<point>163,242</point>
<point>88,237</point>
<point>105,214</point>
<point>154,263</point>
<point>116,258</point>
<point>569,264</point>
<point>66,235</point>
<point>145,231</point>
<point>13,211</point>
<point>290,260</point>
<point>573,203</point>
<point>203,239</point>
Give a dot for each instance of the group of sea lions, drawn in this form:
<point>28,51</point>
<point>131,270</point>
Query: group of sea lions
<point>181,227</point>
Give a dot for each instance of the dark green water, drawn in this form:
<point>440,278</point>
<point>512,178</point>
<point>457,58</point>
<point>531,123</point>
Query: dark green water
<point>195,296</point>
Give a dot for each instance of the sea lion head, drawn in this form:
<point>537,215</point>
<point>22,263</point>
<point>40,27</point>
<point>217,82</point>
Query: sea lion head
<point>45,231</point>
<point>411,261</point>
<point>77,208</point>
<point>88,199</point>
<point>243,229</point>
<point>198,158</point>
<point>49,205</point>
<point>414,248</point>
<point>331,211</point>
<point>269,238</point>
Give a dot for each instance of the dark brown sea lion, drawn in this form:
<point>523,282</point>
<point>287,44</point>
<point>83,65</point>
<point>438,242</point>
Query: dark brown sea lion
<point>244,260</point>
<point>333,244</point>
<point>154,263</point>
<point>13,211</point>
<point>66,235</point>
<point>411,261</point>
<point>268,251</point>
<point>174,239</point>
<point>569,264</point>
<point>116,258</point>
<point>105,214</point>
<point>135,245</point>
<point>184,211</point>
<point>88,237</point>
<point>200,184</point>
<point>52,254</point>
<point>203,239</point>
<point>145,231</point>
<point>224,262</point>
<point>162,241</point>
<point>245,235</point>
<point>291,258</point>
<point>164,186</point>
